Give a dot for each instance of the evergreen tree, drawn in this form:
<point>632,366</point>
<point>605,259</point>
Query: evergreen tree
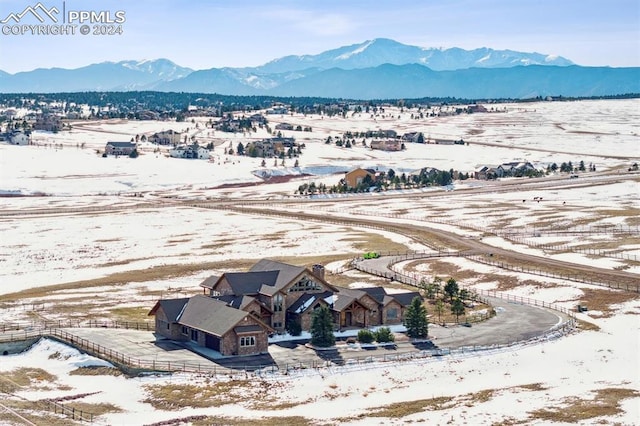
<point>322,328</point>
<point>457,308</point>
<point>416,319</point>
<point>451,288</point>
<point>439,308</point>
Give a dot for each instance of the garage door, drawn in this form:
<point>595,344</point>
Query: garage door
<point>212,342</point>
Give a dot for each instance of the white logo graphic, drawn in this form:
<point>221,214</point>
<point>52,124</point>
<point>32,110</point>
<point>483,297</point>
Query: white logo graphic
<point>34,11</point>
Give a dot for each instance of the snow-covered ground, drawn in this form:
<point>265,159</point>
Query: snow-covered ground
<point>134,233</point>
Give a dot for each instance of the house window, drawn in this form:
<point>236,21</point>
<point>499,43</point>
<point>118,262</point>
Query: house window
<point>277,325</point>
<point>194,335</point>
<point>278,302</point>
<point>184,330</point>
<point>305,284</point>
<point>392,313</point>
<point>247,341</point>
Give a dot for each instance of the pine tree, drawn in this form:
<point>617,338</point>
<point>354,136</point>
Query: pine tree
<point>416,319</point>
<point>322,328</point>
<point>451,288</point>
<point>457,308</point>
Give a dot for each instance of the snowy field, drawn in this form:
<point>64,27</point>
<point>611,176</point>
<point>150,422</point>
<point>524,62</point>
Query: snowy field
<point>92,248</point>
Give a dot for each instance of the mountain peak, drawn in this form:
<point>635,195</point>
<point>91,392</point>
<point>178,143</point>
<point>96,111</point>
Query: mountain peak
<point>379,51</point>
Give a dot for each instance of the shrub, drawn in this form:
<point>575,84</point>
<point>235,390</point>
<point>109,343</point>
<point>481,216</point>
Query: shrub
<point>384,334</point>
<point>294,328</point>
<point>365,336</point>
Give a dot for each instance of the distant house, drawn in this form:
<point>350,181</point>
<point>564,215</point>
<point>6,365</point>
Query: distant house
<point>277,110</point>
<point>147,115</point>
<point>413,137</point>
<point>48,123</point>
<point>387,144</point>
<point>270,147</point>
<point>18,137</point>
<point>189,151</point>
<point>477,108</point>
<point>516,168</point>
<point>488,172</point>
<point>511,169</point>
<point>284,126</point>
<point>258,118</point>
<point>119,148</point>
<point>166,137</point>
<point>357,176</point>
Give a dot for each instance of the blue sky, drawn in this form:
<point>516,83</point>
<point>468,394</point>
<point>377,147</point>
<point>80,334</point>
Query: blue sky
<point>204,34</point>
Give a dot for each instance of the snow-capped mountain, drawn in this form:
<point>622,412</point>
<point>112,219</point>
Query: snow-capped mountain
<point>379,68</point>
<point>124,75</point>
<point>381,51</point>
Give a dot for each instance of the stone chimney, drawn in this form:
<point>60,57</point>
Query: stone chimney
<point>318,271</point>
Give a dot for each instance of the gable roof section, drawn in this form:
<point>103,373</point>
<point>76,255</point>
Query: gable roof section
<point>308,300</point>
<point>210,282</point>
<point>243,283</point>
<point>286,272</point>
<point>122,144</point>
<point>405,298</point>
<point>171,307</point>
<point>382,297</point>
<point>377,293</point>
<point>210,315</point>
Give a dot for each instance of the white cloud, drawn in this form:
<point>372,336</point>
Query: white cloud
<point>314,22</point>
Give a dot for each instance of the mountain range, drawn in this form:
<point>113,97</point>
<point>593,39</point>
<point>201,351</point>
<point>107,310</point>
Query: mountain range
<point>380,68</point>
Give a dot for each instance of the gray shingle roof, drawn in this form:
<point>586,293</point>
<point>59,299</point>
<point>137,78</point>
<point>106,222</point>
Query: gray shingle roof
<point>286,273</point>
<point>122,144</point>
<point>382,297</point>
<point>209,282</point>
<point>307,300</point>
<point>210,315</point>
<point>377,293</point>
<point>171,307</point>
<point>243,283</point>
<point>405,298</point>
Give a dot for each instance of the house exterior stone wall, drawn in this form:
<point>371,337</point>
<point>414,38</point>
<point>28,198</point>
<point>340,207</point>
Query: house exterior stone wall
<point>165,328</point>
<point>387,318</point>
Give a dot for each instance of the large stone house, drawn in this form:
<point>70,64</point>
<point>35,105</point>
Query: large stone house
<point>264,300</point>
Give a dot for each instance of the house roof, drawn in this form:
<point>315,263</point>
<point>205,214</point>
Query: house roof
<point>171,307</point>
<point>285,273</point>
<point>210,315</point>
<point>251,282</point>
<point>377,293</point>
<point>382,297</point>
<point>405,298</point>
<point>239,302</point>
<point>307,300</point>
<point>122,144</point>
<point>210,282</point>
